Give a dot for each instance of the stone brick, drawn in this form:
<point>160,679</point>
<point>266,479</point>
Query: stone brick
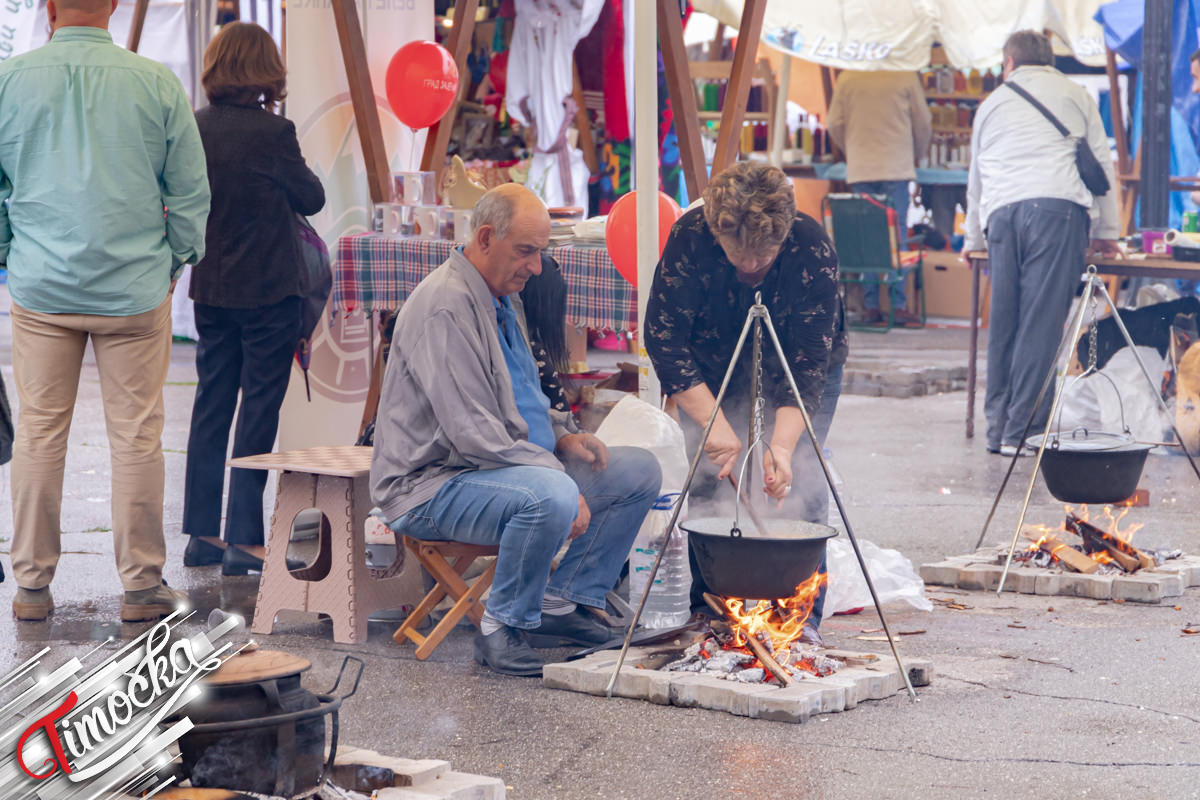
<point>848,689</point>
<point>364,770</point>
<point>1096,587</point>
<point>562,676</point>
<point>1048,584</point>
<point>872,684</point>
<point>742,698</point>
<point>632,682</point>
<point>658,688</point>
<point>979,576</point>
<point>1022,580</point>
<point>796,703</point>
<point>920,671</point>
<point>450,786</point>
<point>701,691</point>
<point>1143,588</point>
<point>943,573</point>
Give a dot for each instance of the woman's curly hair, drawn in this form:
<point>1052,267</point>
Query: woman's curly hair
<point>752,203</point>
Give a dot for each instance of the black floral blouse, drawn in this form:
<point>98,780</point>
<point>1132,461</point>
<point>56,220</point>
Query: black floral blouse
<point>552,385</point>
<point>697,308</point>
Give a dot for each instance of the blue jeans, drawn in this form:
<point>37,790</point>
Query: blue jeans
<point>528,512</point>
<point>897,192</point>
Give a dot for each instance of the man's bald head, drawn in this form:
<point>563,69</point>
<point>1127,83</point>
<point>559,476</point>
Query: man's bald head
<point>499,206</point>
<point>510,228</point>
<point>80,13</point>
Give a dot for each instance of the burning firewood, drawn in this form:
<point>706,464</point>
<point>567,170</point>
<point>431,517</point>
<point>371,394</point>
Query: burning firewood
<point>1068,556</point>
<point>765,658</point>
<point>1130,558</point>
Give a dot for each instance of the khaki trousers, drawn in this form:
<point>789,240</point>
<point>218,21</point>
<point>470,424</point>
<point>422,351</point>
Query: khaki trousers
<point>132,356</point>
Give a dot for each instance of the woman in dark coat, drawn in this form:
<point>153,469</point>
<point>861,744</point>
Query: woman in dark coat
<point>246,290</point>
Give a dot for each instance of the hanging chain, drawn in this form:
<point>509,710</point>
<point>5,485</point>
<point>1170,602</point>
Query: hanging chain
<point>1093,328</point>
<point>757,412</point>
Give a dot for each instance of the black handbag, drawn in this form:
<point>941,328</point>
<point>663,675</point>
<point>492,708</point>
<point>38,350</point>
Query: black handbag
<point>316,282</point>
<point>1090,170</point>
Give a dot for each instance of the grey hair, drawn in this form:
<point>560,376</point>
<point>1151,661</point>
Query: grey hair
<point>495,209</point>
<point>1029,48</point>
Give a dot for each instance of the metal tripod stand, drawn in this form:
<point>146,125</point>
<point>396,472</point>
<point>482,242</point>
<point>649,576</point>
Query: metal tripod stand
<point>757,318</point>
<point>1092,286</point>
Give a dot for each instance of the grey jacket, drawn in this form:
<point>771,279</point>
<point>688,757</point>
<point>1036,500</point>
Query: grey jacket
<point>447,401</point>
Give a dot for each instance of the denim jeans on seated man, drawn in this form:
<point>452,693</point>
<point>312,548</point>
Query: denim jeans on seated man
<point>897,193</point>
<point>528,512</point>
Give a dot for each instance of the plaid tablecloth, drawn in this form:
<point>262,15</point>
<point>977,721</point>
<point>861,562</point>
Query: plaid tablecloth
<point>376,273</point>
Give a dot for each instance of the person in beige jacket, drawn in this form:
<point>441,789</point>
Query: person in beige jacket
<point>882,124</point>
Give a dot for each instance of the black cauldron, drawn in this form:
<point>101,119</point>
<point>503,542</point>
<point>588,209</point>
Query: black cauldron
<point>258,730</point>
<point>747,564</point>
<point>1091,466</point>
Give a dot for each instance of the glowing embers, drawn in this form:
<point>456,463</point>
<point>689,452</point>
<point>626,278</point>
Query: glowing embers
<point>760,642</point>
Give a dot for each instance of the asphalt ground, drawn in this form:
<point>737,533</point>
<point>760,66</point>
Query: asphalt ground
<point>1085,698</point>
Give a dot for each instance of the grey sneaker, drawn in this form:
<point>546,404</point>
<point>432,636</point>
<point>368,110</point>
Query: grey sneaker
<point>32,605</point>
<point>152,603</point>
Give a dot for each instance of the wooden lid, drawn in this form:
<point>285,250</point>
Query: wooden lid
<point>257,665</point>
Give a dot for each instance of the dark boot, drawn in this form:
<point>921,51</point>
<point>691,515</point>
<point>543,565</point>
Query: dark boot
<point>200,553</point>
<point>506,652</point>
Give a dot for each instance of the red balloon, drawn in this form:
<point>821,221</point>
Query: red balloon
<point>620,231</point>
<point>421,82</point>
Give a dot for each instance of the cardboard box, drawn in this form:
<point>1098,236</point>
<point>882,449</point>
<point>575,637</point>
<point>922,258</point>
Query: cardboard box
<point>948,286</point>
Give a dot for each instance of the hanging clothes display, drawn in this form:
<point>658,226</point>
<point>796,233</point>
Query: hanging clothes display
<point>540,80</point>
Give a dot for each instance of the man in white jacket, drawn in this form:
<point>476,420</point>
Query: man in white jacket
<point>1025,197</point>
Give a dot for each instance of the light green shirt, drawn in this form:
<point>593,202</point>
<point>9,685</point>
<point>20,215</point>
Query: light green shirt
<point>103,184</point>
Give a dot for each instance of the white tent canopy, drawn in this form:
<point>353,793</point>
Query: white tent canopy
<point>898,34</point>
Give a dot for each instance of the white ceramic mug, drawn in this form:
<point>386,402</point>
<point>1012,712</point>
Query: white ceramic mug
<point>391,219</point>
<point>414,188</point>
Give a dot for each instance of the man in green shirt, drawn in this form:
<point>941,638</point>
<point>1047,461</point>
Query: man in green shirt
<point>103,198</point>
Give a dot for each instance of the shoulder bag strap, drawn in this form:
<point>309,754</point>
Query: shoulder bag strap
<point>1036,104</point>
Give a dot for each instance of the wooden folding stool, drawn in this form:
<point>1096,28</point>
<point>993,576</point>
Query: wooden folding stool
<point>448,580</point>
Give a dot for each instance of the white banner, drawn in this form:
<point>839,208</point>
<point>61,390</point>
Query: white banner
<point>898,34</point>
<point>17,18</point>
<point>319,103</point>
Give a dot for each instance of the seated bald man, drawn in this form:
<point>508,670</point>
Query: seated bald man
<point>467,449</point>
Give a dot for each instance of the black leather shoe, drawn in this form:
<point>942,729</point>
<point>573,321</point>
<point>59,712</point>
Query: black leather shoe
<point>578,627</point>
<point>237,561</point>
<point>506,652</point>
<point>200,553</point>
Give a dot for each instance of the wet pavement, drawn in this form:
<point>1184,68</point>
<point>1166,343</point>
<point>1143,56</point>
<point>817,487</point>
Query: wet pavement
<point>1082,697</point>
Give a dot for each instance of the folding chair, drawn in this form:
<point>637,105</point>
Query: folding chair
<point>865,233</point>
<point>448,580</point>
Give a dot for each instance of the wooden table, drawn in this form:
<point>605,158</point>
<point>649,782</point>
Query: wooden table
<point>1130,267</point>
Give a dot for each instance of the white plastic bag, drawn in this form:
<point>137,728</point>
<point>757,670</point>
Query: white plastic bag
<point>635,423</point>
<point>1095,404</point>
<point>893,575</point>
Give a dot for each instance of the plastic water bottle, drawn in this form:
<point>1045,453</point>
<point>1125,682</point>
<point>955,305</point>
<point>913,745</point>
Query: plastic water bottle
<point>669,604</point>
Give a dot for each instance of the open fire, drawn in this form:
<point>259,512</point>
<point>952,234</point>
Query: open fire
<point>760,642</point>
<point>1081,546</point>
